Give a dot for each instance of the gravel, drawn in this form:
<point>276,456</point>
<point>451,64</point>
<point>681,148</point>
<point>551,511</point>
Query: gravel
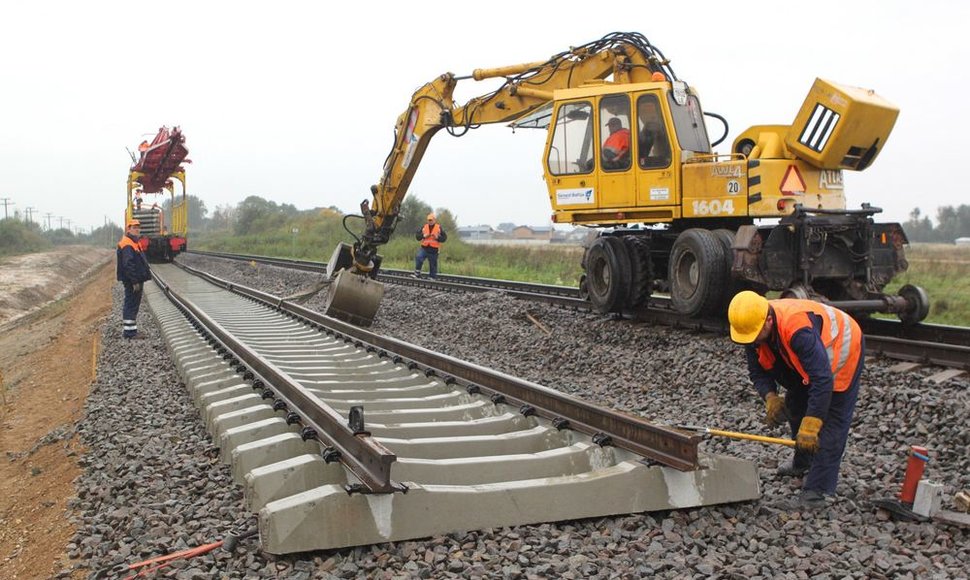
<point>153,482</point>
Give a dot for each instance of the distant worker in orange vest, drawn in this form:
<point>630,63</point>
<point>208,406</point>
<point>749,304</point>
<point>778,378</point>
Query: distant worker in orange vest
<point>133,272</point>
<point>431,235</point>
<point>817,353</point>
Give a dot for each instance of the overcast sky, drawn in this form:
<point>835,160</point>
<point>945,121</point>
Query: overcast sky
<point>296,101</point>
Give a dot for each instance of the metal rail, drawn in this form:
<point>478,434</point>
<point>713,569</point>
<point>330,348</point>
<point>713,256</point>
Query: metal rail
<point>366,458</point>
<point>947,346</point>
<point>664,445</point>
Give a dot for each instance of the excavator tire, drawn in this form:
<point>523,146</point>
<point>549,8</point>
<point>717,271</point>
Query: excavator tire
<point>697,281</point>
<point>731,285</point>
<point>607,274</point>
<point>641,270</point>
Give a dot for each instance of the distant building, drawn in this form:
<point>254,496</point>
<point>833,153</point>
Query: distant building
<point>483,232</point>
<point>962,241</point>
<point>532,233</point>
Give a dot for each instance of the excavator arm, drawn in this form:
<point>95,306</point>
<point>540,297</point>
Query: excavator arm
<point>628,57</point>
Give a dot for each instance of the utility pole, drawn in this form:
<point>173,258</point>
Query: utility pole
<point>48,216</point>
<point>61,226</point>
<point>6,201</point>
<point>68,225</point>
<point>30,211</point>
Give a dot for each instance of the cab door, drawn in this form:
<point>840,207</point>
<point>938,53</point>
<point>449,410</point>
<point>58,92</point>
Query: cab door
<point>617,182</point>
<point>655,175</point>
<point>570,158</point>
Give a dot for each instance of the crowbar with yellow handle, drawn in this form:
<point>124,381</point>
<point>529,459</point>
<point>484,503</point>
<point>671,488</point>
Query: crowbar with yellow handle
<point>737,435</point>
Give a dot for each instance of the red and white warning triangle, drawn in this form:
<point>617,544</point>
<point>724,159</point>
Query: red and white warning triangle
<point>792,183</point>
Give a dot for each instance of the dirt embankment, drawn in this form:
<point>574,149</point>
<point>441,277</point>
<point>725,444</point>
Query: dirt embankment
<point>51,307</point>
<point>30,281</point>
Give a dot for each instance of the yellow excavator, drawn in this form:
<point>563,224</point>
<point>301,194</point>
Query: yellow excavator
<point>627,151</point>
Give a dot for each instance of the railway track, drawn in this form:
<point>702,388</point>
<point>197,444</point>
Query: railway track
<point>919,344</point>
<point>342,437</point>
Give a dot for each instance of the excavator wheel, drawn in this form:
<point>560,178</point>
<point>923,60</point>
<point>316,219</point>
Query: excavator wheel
<point>607,274</point>
<point>918,304</point>
<point>697,281</point>
<point>641,270</point>
<point>731,285</point>
<point>583,287</point>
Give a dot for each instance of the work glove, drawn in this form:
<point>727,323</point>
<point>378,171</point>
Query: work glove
<point>136,287</point>
<point>776,413</point>
<point>807,439</point>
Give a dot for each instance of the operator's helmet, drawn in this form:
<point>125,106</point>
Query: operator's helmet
<point>431,217</point>
<point>132,222</point>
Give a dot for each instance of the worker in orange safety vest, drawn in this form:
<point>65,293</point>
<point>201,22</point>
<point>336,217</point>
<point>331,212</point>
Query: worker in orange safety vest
<point>816,352</point>
<point>133,272</point>
<point>431,235</point>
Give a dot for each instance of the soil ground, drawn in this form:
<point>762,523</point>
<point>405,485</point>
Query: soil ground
<point>52,305</point>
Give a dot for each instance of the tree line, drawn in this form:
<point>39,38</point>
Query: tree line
<point>951,223</point>
<point>255,215</point>
<point>23,237</point>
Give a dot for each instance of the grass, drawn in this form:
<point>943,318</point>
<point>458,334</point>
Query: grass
<point>544,264</point>
<point>943,270</point>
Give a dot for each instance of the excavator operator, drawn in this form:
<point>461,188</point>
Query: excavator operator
<point>816,352</point>
<point>616,148</point>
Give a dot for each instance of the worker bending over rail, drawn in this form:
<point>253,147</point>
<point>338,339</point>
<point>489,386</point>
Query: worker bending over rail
<point>816,352</point>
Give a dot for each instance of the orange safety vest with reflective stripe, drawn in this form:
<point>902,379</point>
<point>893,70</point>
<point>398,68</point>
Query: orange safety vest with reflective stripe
<point>840,335</point>
<point>428,234</point>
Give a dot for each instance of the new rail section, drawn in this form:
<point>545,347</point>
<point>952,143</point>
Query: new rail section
<point>343,437</point>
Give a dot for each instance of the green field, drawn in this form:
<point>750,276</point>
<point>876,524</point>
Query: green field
<point>943,270</point>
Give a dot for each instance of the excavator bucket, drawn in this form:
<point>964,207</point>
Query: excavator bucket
<point>353,297</point>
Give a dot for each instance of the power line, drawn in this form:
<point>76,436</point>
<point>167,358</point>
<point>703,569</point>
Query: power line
<point>30,211</point>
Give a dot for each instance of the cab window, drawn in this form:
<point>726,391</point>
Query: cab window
<point>653,145</point>
<point>571,150</point>
<point>689,124</point>
<point>616,144</point>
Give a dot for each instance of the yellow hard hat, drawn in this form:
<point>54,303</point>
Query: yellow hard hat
<point>431,216</point>
<point>132,222</point>
<point>747,314</point>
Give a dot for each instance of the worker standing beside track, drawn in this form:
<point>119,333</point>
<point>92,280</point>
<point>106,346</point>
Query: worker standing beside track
<point>431,235</point>
<point>133,271</point>
<point>817,353</point>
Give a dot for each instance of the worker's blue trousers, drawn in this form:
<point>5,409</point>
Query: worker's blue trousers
<point>823,475</point>
<point>129,312</point>
<point>432,255</point>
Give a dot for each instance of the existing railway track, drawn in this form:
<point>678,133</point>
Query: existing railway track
<point>343,437</point>
<point>931,344</point>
